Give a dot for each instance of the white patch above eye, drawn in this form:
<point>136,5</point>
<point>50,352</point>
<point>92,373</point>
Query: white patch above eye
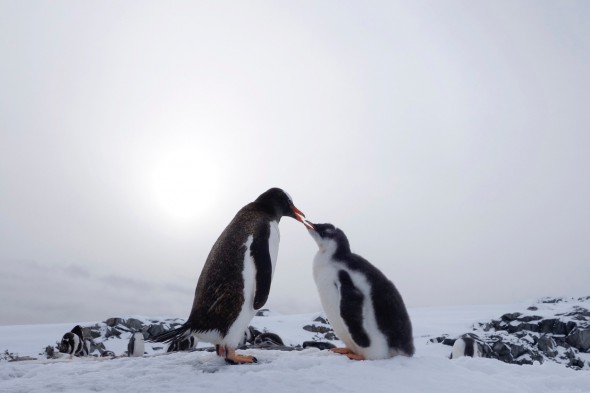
<point>288,196</point>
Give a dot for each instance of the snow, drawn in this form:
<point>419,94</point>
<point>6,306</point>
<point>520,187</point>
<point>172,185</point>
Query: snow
<point>429,370</point>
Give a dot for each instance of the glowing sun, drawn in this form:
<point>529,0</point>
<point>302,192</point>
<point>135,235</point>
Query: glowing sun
<point>185,184</point>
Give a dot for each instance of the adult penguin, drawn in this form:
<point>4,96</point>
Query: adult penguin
<point>235,280</point>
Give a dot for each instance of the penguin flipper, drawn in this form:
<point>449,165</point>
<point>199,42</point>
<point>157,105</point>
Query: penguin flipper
<point>351,309</point>
<point>259,250</point>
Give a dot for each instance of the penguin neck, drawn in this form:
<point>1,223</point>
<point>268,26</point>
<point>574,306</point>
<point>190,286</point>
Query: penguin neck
<point>337,249</point>
<point>342,250</point>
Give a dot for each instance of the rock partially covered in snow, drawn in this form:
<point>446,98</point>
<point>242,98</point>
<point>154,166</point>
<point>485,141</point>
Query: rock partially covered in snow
<point>554,329</point>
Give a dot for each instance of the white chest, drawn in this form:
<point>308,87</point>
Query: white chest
<point>325,273</point>
<point>273,243</point>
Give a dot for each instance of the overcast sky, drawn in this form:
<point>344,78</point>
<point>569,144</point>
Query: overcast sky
<point>450,140</point>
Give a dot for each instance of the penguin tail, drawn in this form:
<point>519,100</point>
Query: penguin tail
<point>172,335</point>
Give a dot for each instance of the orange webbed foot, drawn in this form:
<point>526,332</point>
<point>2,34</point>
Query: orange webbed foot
<point>342,351</point>
<point>348,353</point>
<point>354,356</point>
<point>231,357</point>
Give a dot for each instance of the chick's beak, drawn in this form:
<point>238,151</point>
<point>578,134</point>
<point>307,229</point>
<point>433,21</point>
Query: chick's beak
<point>300,217</point>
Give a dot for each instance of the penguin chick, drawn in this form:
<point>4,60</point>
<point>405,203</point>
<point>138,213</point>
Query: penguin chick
<point>364,307</point>
<point>74,343</point>
<point>235,280</point>
<point>468,344</point>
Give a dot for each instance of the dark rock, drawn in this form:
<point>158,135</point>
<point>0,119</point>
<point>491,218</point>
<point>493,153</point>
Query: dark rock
<point>112,332</point>
<point>527,337</point>
<point>112,322</point>
<point>510,316</point>
<point>570,354</point>
<point>105,354</point>
<point>579,339</point>
<point>515,327</point>
<point>277,347</point>
<point>547,325</point>
<point>262,313</point>
<point>155,330</point>
<point>318,344</point>
<point>502,351</point>
<point>547,346</point>
<point>321,320</point>
<point>96,346</point>
<point>85,332</point>
<point>570,326</point>
<point>134,324</point>
<point>548,300</point>
<point>580,312</point>
<point>50,352</point>
<point>330,336</point>
<point>497,325</point>
<point>576,363</point>
<point>529,318</point>
<point>94,333</point>
<point>524,360</point>
<point>532,308</point>
<point>517,350</point>
<point>559,327</point>
<point>317,329</point>
<point>560,341</point>
<point>268,339</point>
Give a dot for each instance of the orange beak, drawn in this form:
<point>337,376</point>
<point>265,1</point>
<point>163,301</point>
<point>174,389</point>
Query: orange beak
<point>300,217</point>
<point>298,213</point>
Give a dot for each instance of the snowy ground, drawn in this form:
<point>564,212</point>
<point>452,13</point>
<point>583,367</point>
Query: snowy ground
<point>429,370</point>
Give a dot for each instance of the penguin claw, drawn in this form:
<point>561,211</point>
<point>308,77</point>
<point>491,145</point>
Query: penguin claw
<point>229,361</point>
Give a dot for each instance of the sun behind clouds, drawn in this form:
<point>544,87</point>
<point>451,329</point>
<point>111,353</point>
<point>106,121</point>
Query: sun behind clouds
<point>184,183</point>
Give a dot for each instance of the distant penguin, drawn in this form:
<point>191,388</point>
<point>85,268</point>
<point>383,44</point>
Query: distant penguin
<point>268,339</point>
<point>136,346</point>
<point>468,345</point>
<point>363,306</point>
<point>184,344</point>
<point>73,343</point>
<point>235,280</point>
<point>249,336</point>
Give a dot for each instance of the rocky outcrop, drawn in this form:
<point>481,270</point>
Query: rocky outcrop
<point>554,329</point>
